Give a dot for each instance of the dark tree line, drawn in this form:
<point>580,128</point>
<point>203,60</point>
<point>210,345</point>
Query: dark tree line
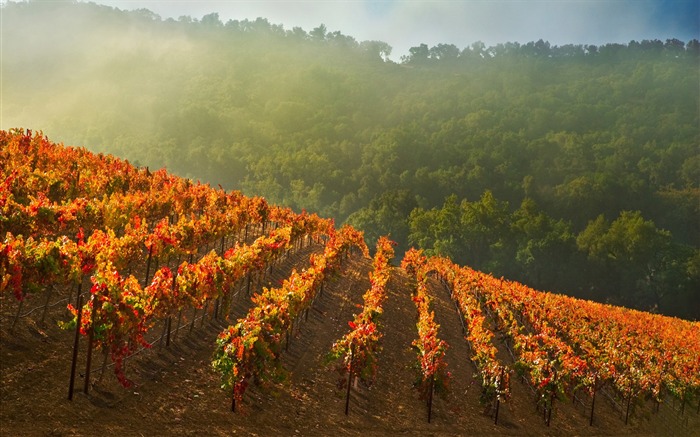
<point>447,53</point>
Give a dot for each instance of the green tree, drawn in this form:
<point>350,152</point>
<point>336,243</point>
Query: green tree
<point>438,231</point>
<point>546,249</point>
<point>387,214</point>
<point>630,253</point>
<point>472,233</point>
<point>319,33</point>
<point>417,55</point>
<point>486,237</point>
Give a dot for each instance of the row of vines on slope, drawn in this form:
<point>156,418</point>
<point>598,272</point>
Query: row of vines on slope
<point>495,376</point>
<point>355,353</point>
<point>433,375</point>
<point>250,350</point>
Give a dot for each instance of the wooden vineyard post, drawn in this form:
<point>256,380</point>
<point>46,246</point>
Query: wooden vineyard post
<point>194,308</point>
<point>194,317</point>
<point>179,320</point>
<point>204,314</point>
<point>430,397</point>
<point>19,310</point>
<point>627,413</point>
<point>76,342</point>
<point>498,398</point>
<point>545,409</point>
<point>46,306</point>
<point>91,337</point>
<point>431,389</point>
<point>551,407</point>
<point>233,400</point>
<point>148,266</point>
<point>162,335</point>
<point>595,390</point>
<point>498,405</point>
<point>347,393</point>
<point>169,324</point>
<point>104,367</point>
<point>125,361</point>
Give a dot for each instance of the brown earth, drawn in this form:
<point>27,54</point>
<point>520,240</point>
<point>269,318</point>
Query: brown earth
<point>176,391</point>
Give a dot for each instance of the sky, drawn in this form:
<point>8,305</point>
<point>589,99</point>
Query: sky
<point>408,23</point>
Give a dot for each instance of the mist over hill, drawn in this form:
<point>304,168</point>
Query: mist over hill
<point>571,168</point>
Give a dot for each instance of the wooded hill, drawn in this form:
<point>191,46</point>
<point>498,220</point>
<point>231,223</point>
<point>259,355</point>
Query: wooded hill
<point>572,168</point>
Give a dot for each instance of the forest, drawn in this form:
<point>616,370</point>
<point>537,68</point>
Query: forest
<point>571,168</point>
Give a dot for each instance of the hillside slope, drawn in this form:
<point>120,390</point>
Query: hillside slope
<point>177,393</point>
<point>74,221</point>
